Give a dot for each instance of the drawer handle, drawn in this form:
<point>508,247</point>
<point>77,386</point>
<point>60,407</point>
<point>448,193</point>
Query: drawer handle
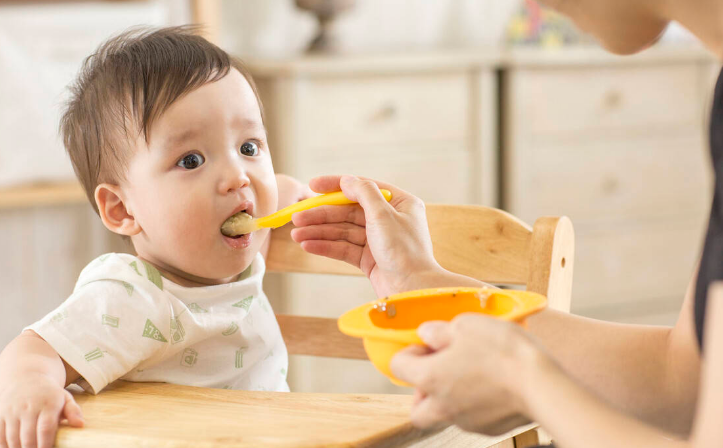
<point>613,100</point>
<point>610,185</point>
<point>386,112</point>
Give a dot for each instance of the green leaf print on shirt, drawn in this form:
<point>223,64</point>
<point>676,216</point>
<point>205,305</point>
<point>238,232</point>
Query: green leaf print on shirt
<point>59,316</point>
<point>196,308</point>
<point>151,331</point>
<point>128,287</point>
<point>231,329</point>
<point>109,320</point>
<point>265,305</point>
<point>177,331</point>
<point>153,275</point>
<point>135,267</point>
<point>240,357</point>
<point>93,355</point>
<point>102,258</point>
<point>244,303</point>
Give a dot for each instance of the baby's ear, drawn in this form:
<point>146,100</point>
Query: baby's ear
<point>113,211</point>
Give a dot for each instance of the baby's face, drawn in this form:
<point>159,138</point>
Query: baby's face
<point>207,158</point>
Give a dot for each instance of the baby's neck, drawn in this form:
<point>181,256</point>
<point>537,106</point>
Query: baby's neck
<point>186,279</point>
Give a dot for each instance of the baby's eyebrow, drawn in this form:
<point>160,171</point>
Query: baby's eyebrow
<point>247,123</point>
<point>180,138</point>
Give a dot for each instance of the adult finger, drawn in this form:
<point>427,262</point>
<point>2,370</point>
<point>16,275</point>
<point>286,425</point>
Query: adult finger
<point>338,250</point>
<point>325,184</point>
<point>331,183</point>
<point>47,426</point>
<point>436,334</point>
<point>332,232</point>
<point>418,397</point>
<point>401,200</point>
<point>427,413</point>
<point>72,411</point>
<point>364,191</point>
<point>411,365</point>
<point>325,214</point>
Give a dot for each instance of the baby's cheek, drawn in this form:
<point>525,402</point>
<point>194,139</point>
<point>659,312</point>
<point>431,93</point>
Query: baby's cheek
<point>183,222</point>
<point>270,198</point>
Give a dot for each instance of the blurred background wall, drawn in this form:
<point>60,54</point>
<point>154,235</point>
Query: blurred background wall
<point>490,102</point>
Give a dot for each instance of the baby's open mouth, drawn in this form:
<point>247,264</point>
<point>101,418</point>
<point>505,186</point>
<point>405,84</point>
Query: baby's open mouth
<point>236,226</point>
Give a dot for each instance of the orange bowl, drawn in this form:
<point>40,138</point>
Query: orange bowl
<point>390,324</point>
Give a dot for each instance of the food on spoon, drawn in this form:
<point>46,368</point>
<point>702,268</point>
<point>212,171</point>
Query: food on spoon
<point>239,224</point>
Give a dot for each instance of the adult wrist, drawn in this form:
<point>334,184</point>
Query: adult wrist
<point>537,372</point>
<point>431,276</point>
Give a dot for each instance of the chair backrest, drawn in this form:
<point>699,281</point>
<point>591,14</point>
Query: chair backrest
<point>481,242</point>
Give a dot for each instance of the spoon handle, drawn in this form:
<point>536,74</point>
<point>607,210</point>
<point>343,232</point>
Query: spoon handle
<point>283,216</point>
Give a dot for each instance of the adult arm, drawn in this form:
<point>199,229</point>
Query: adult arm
<point>581,418</point>
<point>643,370</point>
<point>629,26</point>
<point>648,371</point>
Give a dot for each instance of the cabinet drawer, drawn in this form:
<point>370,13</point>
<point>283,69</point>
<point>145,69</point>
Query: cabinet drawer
<point>638,262</point>
<point>383,109</point>
<point>616,179</point>
<point>604,99</point>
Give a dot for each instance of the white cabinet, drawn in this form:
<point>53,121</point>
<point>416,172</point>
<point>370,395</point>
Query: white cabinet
<point>620,146</point>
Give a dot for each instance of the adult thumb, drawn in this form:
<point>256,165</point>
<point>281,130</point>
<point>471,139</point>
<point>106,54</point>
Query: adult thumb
<point>365,192</point>
<point>435,334</point>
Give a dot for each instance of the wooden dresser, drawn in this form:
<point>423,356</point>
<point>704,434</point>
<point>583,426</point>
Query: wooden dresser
<point>619,144</point>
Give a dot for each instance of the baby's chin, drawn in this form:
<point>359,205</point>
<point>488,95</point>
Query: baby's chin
<point>226,272</point>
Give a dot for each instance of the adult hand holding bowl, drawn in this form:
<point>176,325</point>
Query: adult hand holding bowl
<point>390,324</point>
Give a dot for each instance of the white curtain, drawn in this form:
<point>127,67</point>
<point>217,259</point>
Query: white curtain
<point>41,49</point>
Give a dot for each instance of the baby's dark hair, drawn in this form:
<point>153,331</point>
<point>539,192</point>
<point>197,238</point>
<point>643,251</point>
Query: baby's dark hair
<point>125,86</point>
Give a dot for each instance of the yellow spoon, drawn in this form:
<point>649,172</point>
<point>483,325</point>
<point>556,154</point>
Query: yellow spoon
<point>242,223</point>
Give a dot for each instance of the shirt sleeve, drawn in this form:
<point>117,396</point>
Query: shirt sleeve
<point>117,317</point>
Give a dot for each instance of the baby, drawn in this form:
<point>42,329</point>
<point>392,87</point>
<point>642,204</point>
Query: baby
<point>166,134</point>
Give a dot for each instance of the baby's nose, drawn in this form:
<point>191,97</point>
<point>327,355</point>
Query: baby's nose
<point>234,178</point>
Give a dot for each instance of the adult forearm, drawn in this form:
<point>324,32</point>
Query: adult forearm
<point>575,417</point>
<point>30,354</point>
<point>637,369</point>
<point>621,26</point>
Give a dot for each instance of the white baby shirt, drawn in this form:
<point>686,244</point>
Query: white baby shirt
<point>124,320</point>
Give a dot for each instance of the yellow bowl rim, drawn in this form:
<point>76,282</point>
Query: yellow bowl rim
<point>529,303</point>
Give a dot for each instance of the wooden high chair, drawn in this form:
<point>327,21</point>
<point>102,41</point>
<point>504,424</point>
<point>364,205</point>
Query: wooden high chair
<point>484,243</point>
<point>480,242</point>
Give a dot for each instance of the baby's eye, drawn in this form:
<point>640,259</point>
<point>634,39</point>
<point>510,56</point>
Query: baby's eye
<point>191,161</point>
<point>249,149</point>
